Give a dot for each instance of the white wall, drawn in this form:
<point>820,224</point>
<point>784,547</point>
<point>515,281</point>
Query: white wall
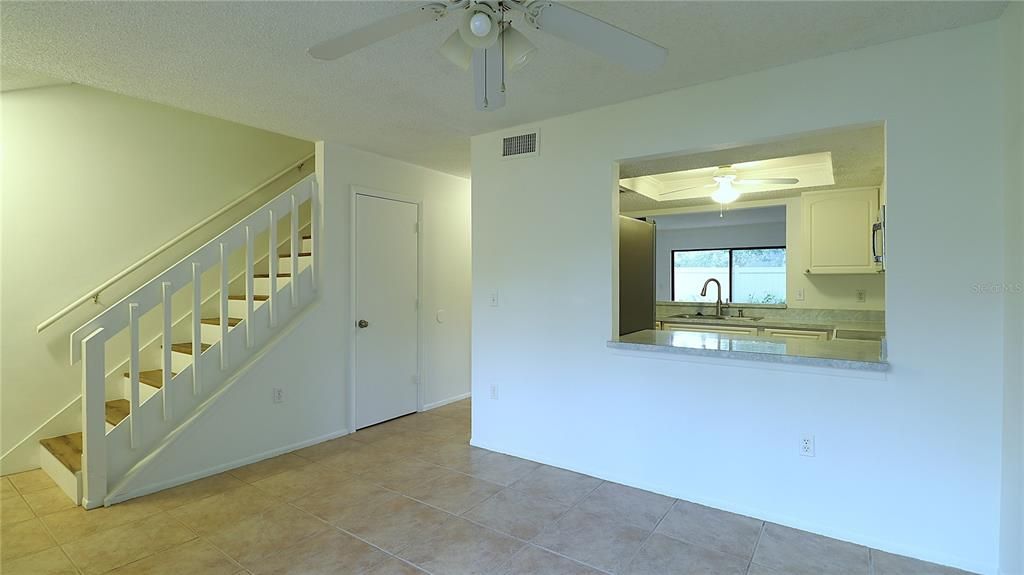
<point>909,462</point>
<point>1012,33</point>
<point>93,181</point>
<point>312,361</point>
<point>714,237</point>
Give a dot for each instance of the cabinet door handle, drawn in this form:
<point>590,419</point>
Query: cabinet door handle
<point>875,228</point>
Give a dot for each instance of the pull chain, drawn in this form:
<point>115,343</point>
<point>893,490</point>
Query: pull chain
<point>502,29</point>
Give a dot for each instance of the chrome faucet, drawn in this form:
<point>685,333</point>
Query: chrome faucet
<point>718,303</point>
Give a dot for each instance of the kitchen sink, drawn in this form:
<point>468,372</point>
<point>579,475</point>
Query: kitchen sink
<point>716,317</point>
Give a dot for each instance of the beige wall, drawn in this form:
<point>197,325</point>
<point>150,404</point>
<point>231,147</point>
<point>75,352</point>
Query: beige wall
<point>93,181</point>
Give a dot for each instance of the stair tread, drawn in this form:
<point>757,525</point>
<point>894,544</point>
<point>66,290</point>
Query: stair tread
<point>117,410</point>
<point>186,347</point>
<point>67,449</point>
<point>232,321</point>
<point>300,254</point>
<point>152,377</point>
<point>267,275</point>
<point>255,297</point>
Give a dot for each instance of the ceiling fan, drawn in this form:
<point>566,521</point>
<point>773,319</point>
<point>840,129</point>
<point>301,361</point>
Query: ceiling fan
<point>486,40</point>
<point>727,178</point>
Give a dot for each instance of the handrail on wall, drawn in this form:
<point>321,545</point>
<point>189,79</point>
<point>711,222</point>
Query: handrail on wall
<point>166,245</point>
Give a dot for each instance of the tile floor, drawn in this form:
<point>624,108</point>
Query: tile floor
<point>409,496</point>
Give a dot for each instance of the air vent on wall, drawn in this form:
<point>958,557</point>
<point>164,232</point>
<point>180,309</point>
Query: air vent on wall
<point>521,146</point>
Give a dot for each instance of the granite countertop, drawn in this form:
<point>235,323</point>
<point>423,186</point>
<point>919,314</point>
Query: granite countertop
<point>863,355</point>
<point>867,330</point>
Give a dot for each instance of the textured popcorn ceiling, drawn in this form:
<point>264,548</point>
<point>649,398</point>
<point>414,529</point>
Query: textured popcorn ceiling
<point>858,160</point>
<point>246,61</point>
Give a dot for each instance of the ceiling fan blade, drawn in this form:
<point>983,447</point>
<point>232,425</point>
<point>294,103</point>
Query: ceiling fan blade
<point>598,36</point>
<point>380,30</point>
<point>769,181</point>
<point>684,189</point>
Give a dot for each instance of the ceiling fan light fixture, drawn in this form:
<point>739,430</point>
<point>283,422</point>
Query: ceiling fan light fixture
<point>518,49</point>
<point>726,193</point>
<point>479,27</point>
<point>457,51</point>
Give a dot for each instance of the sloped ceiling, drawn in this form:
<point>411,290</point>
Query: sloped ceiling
<point>247,62</point>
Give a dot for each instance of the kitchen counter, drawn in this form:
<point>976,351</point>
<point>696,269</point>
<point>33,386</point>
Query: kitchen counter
<point>863,330</point>
<point>862,355</point>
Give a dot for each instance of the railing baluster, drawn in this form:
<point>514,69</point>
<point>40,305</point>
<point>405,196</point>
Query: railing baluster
<point>133,373</point>
<point>314,229</point>
<point>272,265</point>
<point>94,421</point>
<point>224,314</point>
<point>197,325</point>
<point>295,251</point>
<point>249,263</point>
<point>168,340</point>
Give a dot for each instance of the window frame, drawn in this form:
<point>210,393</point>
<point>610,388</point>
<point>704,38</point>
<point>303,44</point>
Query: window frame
<point>672,266</point>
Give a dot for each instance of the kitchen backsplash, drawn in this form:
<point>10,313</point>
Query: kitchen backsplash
<point>826,316</point>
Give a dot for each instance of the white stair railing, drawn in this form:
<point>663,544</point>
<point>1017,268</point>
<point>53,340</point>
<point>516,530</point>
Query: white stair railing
<point>108,457</point>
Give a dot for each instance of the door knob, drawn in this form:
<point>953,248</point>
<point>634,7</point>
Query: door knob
<point>363,323</point>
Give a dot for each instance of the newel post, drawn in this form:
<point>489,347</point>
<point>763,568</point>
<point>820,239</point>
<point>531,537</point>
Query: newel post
<point>94,421</point>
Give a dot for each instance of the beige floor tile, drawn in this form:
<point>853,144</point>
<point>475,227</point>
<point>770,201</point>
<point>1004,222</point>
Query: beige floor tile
<point>196,557</point>
<point>29,481</point>
<point>344,500</point>
<point>15,510</point>
<point>301,481</point>
<point>800,553</point>
<point>394,524</point>
<point>254,538</point>
<point>51,500</point>
<point>122,545</point>
<point>517,513</point>
<point>213,513</point>
<point>49,562</point>
<point>7,489</point>
<point>661,555</point>
<point>272,466</point>
<point>560,485</point>
<point>402,475</point>
<point>593,540</point>
<point>327,448</point>
<point>889,564</point>
<point>454,492</point>
<point>712,528</point>
<point>23,538</point>
<point>357,460</point>
<point>452,454</point>
<point>326,553</point>
<point>417,422</point>
<point>627,504</point>
<point>459,547</point>
<point>392,566</point>
<point>457,410</point>
<point>499,468</point>
<point>75,523</point>
<point>375,433</point>
<point>533,560</point>
<point>194,491</point>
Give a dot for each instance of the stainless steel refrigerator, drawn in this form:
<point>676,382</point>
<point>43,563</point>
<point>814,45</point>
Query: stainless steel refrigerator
<point>636,275</point>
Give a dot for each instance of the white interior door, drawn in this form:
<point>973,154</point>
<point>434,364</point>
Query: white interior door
<point>386,337</point>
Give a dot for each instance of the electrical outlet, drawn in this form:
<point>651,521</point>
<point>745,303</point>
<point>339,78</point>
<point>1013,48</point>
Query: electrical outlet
<point>862,295</point>
<point>494,298</point>
<point>807,446</point>
<point>494,391</point>
<point>800,294</point>
<point>278,395</point>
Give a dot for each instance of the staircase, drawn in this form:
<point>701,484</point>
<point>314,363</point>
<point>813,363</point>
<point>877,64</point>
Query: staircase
<point>158,357</point>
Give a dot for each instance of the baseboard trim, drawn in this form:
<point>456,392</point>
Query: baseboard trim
<point>444,402</point>
<point>225,467</point>
<point>788,521</point>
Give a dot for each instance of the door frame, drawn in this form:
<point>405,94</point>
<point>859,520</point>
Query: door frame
<point>355,192</point>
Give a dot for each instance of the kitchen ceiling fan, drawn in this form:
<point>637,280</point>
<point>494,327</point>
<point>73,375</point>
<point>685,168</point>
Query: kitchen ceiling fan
<point>727,179</point>
<point>486,41</point>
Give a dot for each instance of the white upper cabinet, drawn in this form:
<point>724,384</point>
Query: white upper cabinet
<point>837,231</point>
